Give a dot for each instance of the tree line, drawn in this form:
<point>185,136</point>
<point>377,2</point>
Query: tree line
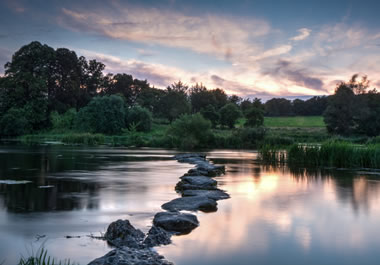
<point>45,88</point>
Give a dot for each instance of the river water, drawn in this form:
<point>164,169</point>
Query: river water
<point>276,215</point>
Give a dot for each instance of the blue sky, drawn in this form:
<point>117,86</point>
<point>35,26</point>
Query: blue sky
<point>249,48</point>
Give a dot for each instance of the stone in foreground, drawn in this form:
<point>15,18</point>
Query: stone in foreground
<point>131,256</point>
<point>157,236</point>
<point>196,183</point>
<point>176,222</point>
<point>122,233</point>
<point>193,203</point>
<point>212,194</point>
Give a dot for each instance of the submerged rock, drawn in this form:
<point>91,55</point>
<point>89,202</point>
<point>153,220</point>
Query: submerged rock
<point>176,222</point>
<point>212,194</point>
<point>193,203</point>
<point>196,183</point>
<point>157,236</point>
<point>131,256</point>
<point>122,233</point>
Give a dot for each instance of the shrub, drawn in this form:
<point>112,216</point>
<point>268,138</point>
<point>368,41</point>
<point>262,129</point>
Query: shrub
<point>64,121</point>
<point>14,123</point>
<point>141,118</point>
<point>250,137</point>
<point>190,131</point>
<point>102,115</point>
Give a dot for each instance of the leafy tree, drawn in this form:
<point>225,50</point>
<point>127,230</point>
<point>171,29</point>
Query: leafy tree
<point>149,98</point>
<point>255,117</point>
<point>339,115</point>
<point>141,118</point>
<point>14,123</point>
<point>229,115</point>
<point>278,107</point>
<point>190,131</point>
<point>175,102</point>
<point>102,115</point>
<point>211,114</point>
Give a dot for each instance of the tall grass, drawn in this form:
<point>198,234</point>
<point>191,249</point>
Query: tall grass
<point>329,154</point>
<point>42,258</point>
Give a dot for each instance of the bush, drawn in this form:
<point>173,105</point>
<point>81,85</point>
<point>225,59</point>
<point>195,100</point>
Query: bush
<point>83,138</point>
<point>229,115</point>
<point>141,118</point>
<point>64,121</point>
<point>14,123</point>
<point>250,137</point>
<point>190,131</point>
<point>102,115</point>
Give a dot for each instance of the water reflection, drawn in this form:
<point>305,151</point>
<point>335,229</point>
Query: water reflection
<point>276,214</point>
<point>281,215</point>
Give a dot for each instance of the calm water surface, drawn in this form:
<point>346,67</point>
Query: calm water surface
<point>276,215</point>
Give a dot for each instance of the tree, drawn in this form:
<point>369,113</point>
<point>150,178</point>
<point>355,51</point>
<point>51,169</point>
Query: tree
<point>211,114</point>
<point>255,117</point>
<point>339,115</point>
<point>102,115</point>
<point>229,115</point>
<point>278,107</point>
<point>190,131</point>
<point>174,103</point>
<point>141,118</point>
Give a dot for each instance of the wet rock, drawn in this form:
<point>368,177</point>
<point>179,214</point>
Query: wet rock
<point>196,183</point>
<point>157,236</point>
<point>212,170</point>
<point>196,172</point>
<point>122,233</point>
<point>212,194</point>
<point>131,256</point>
<point>176,222</point>
<point>193,203</point>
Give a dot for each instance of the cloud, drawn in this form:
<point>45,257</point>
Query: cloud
<point>287,71</point>
<point>222,36</point>
<point>273,52</point>
<point>304,33</point>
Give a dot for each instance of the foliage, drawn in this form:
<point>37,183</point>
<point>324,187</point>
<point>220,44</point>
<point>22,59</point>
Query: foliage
<point>190,131</point>
<point>42,258</point>
<point>14,123</point>
<point>102,115</point>
<point>255,117</point>
<point>211,114</point>
<point>250,137</point>
<point>83,138</point>
<point>229,115</point>
<point>141,118</point>
<point>278,107</point>
<point>63,122</point>
<point>175,102</point>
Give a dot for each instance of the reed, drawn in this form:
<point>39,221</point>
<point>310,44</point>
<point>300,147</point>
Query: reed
<point>328,154</point>
<point>42,258</point>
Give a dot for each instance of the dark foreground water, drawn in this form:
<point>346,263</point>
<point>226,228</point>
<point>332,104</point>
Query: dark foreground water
<point>276,215</point>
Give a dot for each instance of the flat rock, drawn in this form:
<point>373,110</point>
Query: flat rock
<point>196,183</point>
<point>157,236</point>
<point>122,233</point>
<point>212,194</point>
<point>131,256</point>
<point>193,203</point>
<point>176,222</point>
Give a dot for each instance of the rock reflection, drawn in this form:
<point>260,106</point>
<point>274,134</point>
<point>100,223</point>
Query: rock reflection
<point>280,215</point>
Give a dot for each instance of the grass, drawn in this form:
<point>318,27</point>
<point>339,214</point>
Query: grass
<point>296,121</point>
<point>42,258</point>
<point>328,154</point>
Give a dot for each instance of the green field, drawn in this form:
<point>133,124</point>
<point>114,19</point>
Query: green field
<point>296,121</point>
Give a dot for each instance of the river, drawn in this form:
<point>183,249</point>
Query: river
<point>276,214</point>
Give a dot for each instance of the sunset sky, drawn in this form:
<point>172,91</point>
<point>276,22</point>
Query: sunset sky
<point>249,48</point>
